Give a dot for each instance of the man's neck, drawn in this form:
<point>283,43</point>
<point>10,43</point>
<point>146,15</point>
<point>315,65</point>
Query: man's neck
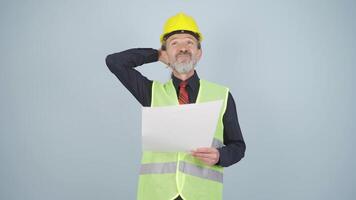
<point>183,77</point>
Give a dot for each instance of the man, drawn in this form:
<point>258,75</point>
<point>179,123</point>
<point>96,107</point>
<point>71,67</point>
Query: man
<point>180,175</point>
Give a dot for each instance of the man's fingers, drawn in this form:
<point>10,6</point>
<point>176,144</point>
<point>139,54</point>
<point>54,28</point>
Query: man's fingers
<point>205,149</point>
<point>208,155</point>
<point>207,161</point>
<point>205,155</point>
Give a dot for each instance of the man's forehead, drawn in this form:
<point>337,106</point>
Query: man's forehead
<point>181,36</point>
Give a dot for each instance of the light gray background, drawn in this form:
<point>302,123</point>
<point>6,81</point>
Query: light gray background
<point>70,130</point>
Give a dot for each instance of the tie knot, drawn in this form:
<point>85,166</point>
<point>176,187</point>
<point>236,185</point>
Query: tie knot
<point>183,84</point>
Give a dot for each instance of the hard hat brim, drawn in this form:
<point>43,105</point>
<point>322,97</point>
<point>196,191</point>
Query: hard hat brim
<point>198,36</point>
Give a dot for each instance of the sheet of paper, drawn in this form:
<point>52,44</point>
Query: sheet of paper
<point>179,128</point>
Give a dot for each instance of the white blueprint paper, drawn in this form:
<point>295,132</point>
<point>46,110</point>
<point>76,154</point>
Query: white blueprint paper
<point>179,128</point>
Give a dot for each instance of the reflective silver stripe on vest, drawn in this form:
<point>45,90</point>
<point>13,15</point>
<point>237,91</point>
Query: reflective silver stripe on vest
<point>158,168</point>
<point>217,143</point>
<point>200,172</point>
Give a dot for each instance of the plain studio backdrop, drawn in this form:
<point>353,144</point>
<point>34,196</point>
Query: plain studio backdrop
<point>70,130</point>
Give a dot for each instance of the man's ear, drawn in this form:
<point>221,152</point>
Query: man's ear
<point>163,57</point>
<point>199,53</point>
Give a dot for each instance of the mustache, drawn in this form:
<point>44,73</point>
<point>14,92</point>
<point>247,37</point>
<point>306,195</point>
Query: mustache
<point>184,54</point>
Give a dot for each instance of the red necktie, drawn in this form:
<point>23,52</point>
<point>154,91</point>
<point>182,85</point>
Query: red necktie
<point>183,94</point>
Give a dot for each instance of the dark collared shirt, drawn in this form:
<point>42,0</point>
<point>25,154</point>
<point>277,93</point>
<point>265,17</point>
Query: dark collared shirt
<point>123,65</point>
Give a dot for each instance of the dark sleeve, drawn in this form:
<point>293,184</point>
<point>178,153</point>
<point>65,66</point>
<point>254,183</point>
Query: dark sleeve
<point>123,65</point>
<point>234,149</point>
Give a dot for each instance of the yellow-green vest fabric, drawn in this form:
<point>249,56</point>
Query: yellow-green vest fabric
<point>165,175</point>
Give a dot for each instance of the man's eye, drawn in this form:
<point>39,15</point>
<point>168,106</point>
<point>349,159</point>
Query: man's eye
<point>190,42</point>
<point>173,43</point>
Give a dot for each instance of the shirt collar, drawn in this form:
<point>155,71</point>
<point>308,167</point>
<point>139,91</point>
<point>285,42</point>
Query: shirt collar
<point>193,81</point>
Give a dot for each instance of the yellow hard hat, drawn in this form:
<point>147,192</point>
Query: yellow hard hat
<point>180,23</point>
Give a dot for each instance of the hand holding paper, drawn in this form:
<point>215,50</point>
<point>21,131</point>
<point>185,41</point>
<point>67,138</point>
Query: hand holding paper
<point>208,155</point>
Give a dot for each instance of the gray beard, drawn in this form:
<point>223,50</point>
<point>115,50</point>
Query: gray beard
<point>183,68</point>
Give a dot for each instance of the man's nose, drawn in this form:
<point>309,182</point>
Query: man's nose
<point>183,48</point>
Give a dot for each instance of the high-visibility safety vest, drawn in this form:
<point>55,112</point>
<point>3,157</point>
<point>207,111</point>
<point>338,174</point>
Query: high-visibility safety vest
<point>165,175</point>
